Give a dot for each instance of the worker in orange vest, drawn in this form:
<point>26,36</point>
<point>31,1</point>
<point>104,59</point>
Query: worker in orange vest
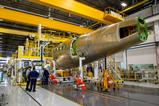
<point>53,78</point>
<point>78,80</point>
<point>105,80</point>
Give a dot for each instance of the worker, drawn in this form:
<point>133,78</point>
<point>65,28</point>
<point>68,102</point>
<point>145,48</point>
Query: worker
<point>53,79</point>
<point>90,68</point>
<point>24,73</point>
<point>33,75</point>
<point>100,75</point>
<point>79,83</point>
<point>90,74</point>
<point>27,77</point>
<point>84,74</point>
<point>105,80</point>
<point>45,77</point>
<point>100,80</point>
<point>78,80</point>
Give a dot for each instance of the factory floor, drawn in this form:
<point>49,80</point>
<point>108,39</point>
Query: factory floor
<point>65,95</point>
<point>126,96</point>
<point>18,96</point>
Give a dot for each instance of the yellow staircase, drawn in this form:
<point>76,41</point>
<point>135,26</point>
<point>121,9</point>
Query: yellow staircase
<point>114,72</point>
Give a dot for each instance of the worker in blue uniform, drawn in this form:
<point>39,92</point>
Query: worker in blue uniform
<point>27,78</point>
<point>90,68</point>
<point>33,75</point>
<point>45,77</point>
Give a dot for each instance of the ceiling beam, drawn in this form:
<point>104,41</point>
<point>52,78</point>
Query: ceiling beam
<point>26,33</point>
<point>15,32</point>
<point>134,6</point>
<point>28,19</point>
<point>75,7</point>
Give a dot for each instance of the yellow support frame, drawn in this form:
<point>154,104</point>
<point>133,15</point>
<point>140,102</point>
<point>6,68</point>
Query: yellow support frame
<point>15,32</point>
<point>28,19</point>
<point>34,57</point>
<point>25,33</point>
<point>55,39</point>
<point>75,7</point>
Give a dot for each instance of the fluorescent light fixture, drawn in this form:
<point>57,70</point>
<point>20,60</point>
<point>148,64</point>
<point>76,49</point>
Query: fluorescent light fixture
<point>123,4</point>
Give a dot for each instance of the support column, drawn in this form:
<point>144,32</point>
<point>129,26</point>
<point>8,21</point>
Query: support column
<point>54,67</point>
<point>125,60</point>
<point>156,32</point>
<point>39,35</point>
<point>80,66</point>
<point>41,44</point>
<point>96,70</point>
<point>105,62</point>
<point>41,53</point>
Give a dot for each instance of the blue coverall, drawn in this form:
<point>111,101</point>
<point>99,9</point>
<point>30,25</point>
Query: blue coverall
<point>33,75</point>
<point>45,77</point>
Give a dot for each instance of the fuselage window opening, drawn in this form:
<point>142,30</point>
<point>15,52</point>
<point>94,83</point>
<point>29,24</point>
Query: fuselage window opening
<point>126,31</point>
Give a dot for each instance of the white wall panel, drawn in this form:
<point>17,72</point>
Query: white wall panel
<point>151,37</point>
<point>119,56</point>
<point>145,55</point>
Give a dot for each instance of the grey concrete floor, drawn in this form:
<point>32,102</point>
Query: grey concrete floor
<point>126,96</point>
<point>18,96</point>
<point>66,95</point>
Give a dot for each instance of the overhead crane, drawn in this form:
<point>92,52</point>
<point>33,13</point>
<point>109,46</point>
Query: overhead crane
<point>15,32</point>
<point>28,19</point>
<point>77,8</point>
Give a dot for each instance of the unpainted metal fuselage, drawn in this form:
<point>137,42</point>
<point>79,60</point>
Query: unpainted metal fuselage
<point>100,43</point>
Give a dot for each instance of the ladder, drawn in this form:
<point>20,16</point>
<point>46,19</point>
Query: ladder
<point>113,70</point>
